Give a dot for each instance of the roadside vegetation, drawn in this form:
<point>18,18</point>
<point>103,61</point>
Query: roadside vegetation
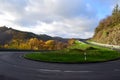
<point>78,52</point>
<point>37,44</point>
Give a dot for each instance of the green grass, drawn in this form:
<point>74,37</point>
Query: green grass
<point>75,54</point>
<point>79,45</point>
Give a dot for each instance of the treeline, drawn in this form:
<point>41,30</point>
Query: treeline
<point>36,44</point>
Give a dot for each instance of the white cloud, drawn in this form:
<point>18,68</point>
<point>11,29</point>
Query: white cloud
<point>65,18</point>
<point>65,28</point>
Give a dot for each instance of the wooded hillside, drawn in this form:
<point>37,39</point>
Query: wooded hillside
<point>108,30</point>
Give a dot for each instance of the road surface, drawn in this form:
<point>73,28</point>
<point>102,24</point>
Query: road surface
<point>14,67</point>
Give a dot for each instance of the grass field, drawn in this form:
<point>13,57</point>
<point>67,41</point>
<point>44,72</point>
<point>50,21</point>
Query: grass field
<point>78,53</point>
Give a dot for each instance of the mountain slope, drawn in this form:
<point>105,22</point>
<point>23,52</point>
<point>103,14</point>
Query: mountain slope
<point>7,34</point>
<point>108,30</point>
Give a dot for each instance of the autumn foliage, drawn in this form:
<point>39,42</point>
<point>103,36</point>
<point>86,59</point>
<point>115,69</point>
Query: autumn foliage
<point>36,44</point>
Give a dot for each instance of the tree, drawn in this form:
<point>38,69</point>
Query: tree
<point>6,46</point>
<point>60,45</point>
<point>50,44</point>
<point>41,44</point>
<point>25,46</point>
<point>116,10</point>
<point>34,43</point>
<point>71,42</point>
<point>14,44</point>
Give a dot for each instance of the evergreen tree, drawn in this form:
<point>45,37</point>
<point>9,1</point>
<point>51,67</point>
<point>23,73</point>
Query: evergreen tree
<point>116,10</point>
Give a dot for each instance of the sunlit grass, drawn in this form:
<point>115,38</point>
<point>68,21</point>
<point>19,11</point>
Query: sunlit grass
<point>76,54</point>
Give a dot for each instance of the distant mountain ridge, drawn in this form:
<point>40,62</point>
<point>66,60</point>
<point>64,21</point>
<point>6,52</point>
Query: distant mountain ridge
<point>7,34</point>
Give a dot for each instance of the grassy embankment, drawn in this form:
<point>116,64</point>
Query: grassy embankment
<point>78,53</point>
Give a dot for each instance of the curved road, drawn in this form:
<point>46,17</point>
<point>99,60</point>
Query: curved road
<point>14,67</point>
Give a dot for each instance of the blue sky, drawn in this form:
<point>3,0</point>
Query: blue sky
<point>64,18</point>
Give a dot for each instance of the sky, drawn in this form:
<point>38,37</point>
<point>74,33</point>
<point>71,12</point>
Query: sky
<point>63,18</point>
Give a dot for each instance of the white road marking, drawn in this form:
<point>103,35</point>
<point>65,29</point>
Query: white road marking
<point>48,70</point>
<point>78,71</point>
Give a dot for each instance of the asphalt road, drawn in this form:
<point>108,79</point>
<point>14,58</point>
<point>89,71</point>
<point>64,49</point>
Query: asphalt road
<point>14,67</point>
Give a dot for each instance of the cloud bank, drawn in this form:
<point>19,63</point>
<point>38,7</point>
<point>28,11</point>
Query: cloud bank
<point>64,18</point>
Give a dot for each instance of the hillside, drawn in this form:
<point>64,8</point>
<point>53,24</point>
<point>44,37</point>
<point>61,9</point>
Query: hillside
<point>108,30</point>
<point>8,34</point>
